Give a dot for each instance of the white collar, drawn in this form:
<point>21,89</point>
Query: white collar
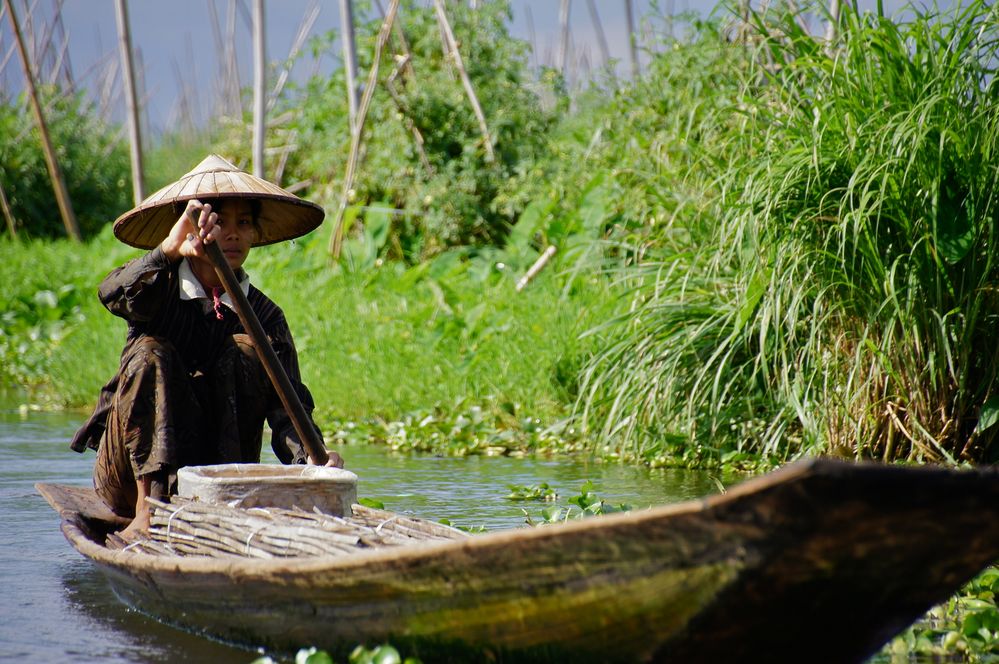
<point>191,288</point>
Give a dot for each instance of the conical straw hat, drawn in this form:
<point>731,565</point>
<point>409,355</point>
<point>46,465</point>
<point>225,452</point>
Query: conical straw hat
<point>283,215</point>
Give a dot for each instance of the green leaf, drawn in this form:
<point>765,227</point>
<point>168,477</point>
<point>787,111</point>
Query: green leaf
<point>955,226</point>
<point>989,415</point>
<point>312,656</point>
<point>386,654</point>
<point>523,232</point>
<point>593,208</point>
<point>377,222</point>
<point>754,292</point>
<point>372,503</point>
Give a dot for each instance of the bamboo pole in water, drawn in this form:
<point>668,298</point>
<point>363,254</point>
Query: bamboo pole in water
<point>58,183</point>
<point>336,238</point>
<point>259,88</point>
<point>131,100</point>
<point>465,81</point>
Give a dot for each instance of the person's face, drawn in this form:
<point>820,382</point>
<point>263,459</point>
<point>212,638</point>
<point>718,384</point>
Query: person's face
<point>235,218</point>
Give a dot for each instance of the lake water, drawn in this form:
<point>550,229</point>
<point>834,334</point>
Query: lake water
<point>55,606</point>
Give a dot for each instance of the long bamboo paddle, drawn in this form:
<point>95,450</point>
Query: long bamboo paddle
<point>292,404</point>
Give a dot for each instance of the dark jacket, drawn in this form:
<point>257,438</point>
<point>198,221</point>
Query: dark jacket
<point>146,293</point>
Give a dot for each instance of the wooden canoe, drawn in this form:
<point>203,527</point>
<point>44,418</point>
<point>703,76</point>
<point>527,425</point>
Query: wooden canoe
<point>822,560</point>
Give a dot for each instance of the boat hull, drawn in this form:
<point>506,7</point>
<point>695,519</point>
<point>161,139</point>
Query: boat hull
<point>822,557</point>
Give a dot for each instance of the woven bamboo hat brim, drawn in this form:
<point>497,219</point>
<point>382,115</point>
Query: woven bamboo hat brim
<point>283,215</point>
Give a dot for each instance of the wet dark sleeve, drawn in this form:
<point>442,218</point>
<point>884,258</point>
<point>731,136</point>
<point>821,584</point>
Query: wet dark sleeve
<point>285,441</point>
<point>136,290</point>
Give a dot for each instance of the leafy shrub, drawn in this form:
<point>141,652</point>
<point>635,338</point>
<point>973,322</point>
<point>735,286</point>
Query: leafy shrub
<point>93,159</point>
<point>447,196</point>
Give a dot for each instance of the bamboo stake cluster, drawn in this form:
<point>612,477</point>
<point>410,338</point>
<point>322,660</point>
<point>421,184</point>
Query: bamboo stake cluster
<point>193,528</point>
<point>404,63</point>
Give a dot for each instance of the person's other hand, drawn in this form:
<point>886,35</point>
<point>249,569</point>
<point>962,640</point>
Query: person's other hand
<point>334,461</point>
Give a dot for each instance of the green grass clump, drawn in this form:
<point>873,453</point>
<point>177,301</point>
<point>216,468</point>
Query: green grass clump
<point>846,296</point>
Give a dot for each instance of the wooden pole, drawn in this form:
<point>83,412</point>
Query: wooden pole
<point>303,32</point>
<point>349,57</point>
<point>629,17</point>
<point>259,88</point>
<point>833,27</point>
<point>465,81</point>
<point>336,239</point>
<point>598,26</point>
<point>58,183</point>
<point>403,43</point>
<point>233,88</point>
<point>536,267</point>
<point>563,50</point>
<point>131,100</point>
<point>531,35</point>
<point>7,214</point>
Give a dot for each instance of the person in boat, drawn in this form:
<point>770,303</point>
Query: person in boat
<point>190,388</point>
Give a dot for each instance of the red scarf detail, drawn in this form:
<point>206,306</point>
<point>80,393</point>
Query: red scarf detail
<point>217,302</point>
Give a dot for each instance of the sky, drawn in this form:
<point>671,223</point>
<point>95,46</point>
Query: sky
<point>176,45</point>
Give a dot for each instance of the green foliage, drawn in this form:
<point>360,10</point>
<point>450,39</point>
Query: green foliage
<point>49,351</point>
<point>486,428</point>
<point>966,626</point>
<point>93,160</point>
<point>542,492</point>
<point>873,225</point>
<point>843,298</point>
<point>31,328</point>
<point>586,504</point>
<point>383,654</point>
<point>446,196</point>
<point>444,356</point>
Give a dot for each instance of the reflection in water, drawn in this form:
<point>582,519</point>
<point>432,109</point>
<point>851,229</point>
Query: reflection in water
<point>55,605</point>
<point>136,638</point>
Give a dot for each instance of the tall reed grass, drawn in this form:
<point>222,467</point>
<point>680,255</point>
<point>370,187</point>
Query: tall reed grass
<point>846,300</point>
